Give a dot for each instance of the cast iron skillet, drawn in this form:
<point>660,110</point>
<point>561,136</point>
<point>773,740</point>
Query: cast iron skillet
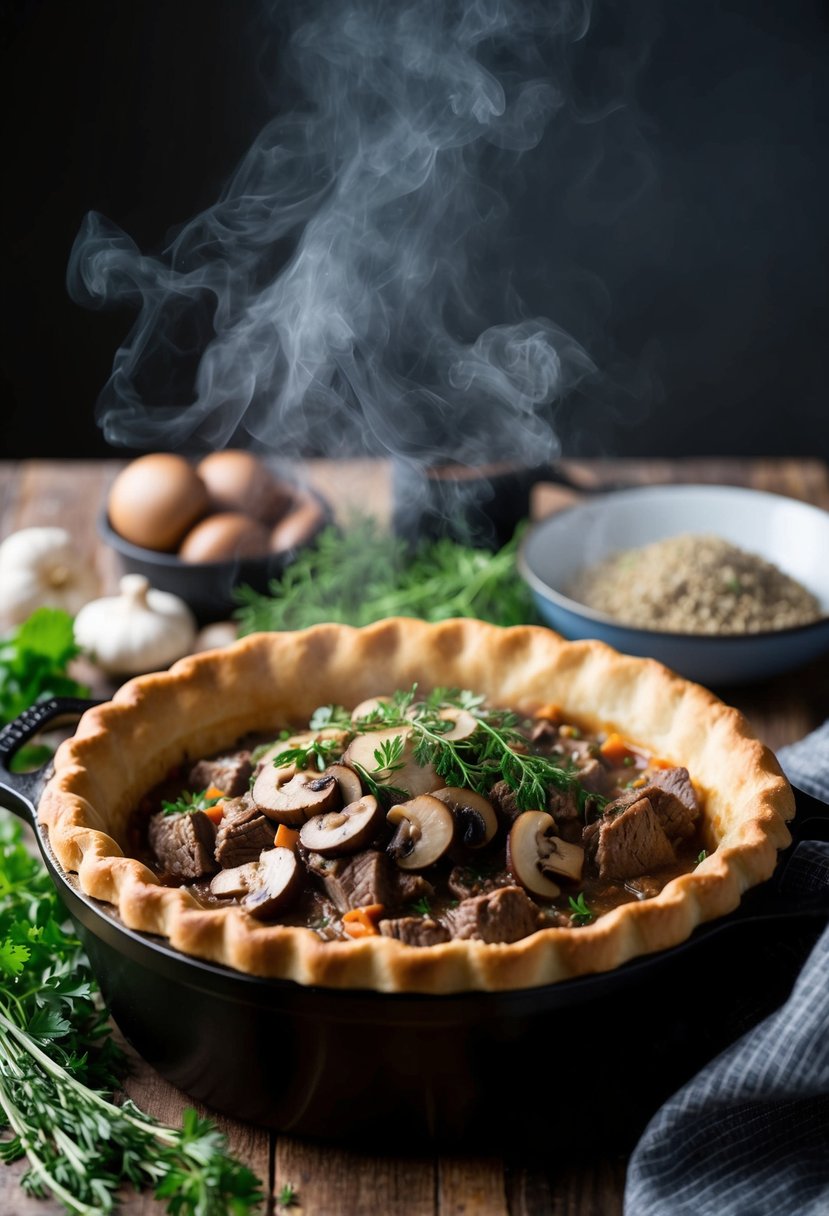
<point>559,1068</point>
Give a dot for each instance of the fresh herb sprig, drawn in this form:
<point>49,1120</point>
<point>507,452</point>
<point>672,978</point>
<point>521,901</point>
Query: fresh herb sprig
<point>33,666</point>
<point>362,574</point>
<point>189,801</point>
<point>59,1067</point>
<point>496,750</point>
<point>581,913</point>
<point>318,754</point>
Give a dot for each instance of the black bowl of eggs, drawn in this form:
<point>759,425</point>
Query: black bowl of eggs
<point>201,530</point>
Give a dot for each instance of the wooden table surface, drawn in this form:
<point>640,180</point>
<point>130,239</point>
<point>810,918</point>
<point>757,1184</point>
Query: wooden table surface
<point>331,1182</point>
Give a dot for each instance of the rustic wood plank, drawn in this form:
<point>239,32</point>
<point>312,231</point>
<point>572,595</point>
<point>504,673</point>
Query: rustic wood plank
<point>471,1186</point>
<point>593,1188</point>
<point>336,1182</point>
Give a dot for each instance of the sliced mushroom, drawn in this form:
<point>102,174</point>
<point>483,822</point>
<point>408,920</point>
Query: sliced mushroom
<point>564,858</point>
<point>474,815</point>
<point>465,724</point>
<point>344,831</point>
<point>304,739</point>
<point>350,788</point>
<point>237,881</point>
<point>528,848</point>
<point>279,881</point>
<point>425,831</point>
<point>294,800</point>
<point>367,707</point>
<point>412,777</point>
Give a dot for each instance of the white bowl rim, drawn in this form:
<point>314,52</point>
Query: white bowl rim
<point>544,589</point>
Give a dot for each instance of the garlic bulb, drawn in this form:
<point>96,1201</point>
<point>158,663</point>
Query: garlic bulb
<point>138,631</point>
<point>40,567</point>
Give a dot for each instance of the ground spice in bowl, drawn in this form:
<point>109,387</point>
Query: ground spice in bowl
<point>695,584</point>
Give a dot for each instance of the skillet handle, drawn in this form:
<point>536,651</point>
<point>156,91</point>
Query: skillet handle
<point>20,792</point>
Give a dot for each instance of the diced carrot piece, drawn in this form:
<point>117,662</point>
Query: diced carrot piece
<point>362,922</point>
<point>550,712</point>
<point>656,762</point>
<point>615,750</point>
<point>285,837</point>
<point>215,813</point>
<point>213,791</point>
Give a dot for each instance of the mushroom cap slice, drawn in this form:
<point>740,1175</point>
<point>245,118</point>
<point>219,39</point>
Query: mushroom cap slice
<point>349,782</point>
<point>527,849</point>
<point>295,799</point>
<point>367,707</point>
<point>345,831</point>
<point>236,881</point>
<point>465,724</point>
<point>474,815</point>
<point>412,777</point>
<point>279,882</point>
<point>303,739</point>
<point>425,831</point>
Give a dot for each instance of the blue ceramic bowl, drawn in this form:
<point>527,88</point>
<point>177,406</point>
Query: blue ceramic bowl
<point>791,534</point>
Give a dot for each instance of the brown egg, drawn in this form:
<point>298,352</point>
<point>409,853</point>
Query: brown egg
<point>303,520</point>
<point>155,500</point>
<point>239,481</point>
<point>224,537</point>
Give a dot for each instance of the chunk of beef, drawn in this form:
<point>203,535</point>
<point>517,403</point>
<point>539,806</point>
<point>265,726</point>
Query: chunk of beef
<point>503,800</point>
<point>230,774</point>
<point>594,776</point>
<point>415,930</point>
<point>243,833</point>
<point>563,805</point>
<point>408,888</point>
<point>676,781</point>
<point>467,881</point>
<point>675,801</point>
<point>183,843</point>
<point>354,882</point>
<point>367,878</point>
<point>630,841</point>
<point>505,915</point>
<point>544,734</point>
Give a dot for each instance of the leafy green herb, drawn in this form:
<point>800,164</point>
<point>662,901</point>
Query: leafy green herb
<point>701,855</point>
<point>734,586</point>
<point>330,716</point>
<point>189,801</point>
<point>493,752</point>
<point>581,913</point>
<point>389,755</point>
<point>318,754</point>
<point>422,907</point>
<point>363,574</point>
<point>33,667</point>
<point>59,1066</point>
<point>288,1196</point>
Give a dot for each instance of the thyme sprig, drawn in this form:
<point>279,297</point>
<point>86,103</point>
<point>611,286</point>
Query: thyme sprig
<point>496,750</point>
<point>362,574</point>
<point>59,1068</point>
<point>189,801</point>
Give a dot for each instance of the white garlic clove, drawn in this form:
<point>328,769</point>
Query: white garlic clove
<point>41,568</point>
<point>138,631</point>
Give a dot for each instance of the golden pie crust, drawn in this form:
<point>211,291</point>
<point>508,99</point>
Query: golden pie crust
<point>268,681</point>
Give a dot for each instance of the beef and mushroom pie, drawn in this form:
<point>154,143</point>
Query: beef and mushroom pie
<point>413,807</point>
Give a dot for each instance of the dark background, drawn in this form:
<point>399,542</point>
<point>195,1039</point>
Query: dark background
<point>683,239</point>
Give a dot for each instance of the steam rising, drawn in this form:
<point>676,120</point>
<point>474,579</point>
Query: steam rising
<point>334,293</point>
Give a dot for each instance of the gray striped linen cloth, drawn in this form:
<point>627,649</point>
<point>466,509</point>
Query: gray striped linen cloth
<point>749,1135</point>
